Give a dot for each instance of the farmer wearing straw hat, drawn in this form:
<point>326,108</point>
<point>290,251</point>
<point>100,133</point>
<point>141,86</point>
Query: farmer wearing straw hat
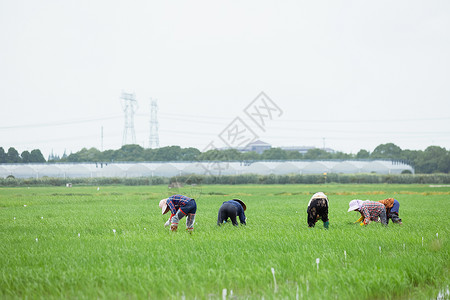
<point>179,207</point>
<point>370,210</point>
<point>318,209</point>
<point>231,209</point>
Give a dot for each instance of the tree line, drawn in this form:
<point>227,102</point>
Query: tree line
<point>433,159</point>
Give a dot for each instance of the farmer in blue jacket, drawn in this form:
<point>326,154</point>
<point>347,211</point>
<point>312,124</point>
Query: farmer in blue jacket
<point>231,209</point>
<point>179,206</point>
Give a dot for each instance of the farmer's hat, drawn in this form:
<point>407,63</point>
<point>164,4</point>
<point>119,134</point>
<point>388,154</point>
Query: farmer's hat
<point>163,205</point>
<point>354,205</point>
<point>241,203</point>
<point>319,195</point>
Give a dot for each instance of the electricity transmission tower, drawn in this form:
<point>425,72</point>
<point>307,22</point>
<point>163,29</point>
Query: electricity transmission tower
<point>129,105</point>
<point>154,136</point>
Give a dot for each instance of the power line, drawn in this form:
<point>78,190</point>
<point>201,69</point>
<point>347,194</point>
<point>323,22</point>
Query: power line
<point>197,117</point>
<point>201,120</point>
<point>59,123</point>
<point>365,120</point>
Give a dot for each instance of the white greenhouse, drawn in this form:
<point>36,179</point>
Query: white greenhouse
<point>171,169</point>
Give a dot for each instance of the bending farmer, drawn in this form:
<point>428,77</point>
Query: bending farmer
<point>231,209</point>
<point>370,210</point>
<point>393,213</point>
<point>179,207</point>
<point>318,209</point>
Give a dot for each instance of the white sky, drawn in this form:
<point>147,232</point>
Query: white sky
<point>350,74</point>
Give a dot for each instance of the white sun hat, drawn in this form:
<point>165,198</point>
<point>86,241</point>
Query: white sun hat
<point>163,205</point>
<point>354,205</point>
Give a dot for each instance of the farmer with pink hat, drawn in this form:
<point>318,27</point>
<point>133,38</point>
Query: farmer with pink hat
<point>179,207</point>
<point>370,210</point>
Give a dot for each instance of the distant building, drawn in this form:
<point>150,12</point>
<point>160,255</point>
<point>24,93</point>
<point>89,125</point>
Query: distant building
<point>257,146</point>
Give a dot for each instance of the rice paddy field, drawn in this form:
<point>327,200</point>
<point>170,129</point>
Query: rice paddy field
<point>109,242</point>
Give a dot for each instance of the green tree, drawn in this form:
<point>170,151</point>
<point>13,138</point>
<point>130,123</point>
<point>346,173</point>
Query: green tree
<point>149,154</point>
<point>444,163</point>
<point>130,153</point>
<point>274,154</point>
<point>341,155</point>
<point>213,155</point>
<point>108,155</point>
<point>36,156</point>
<point>2,156</point>
<point>231,155</point>
<point>12,156</point>
<point>85,155</point>
<point>434,159</point>
<point>25,157</point>
<point>317,154</point>
<point>411,157</point>
<point>190,154</point>
<point>387,151</point>
<point>251,155</point>
<point>90,155</point>
<point>294,155</point>
<point>169,153</point>
<point>362,154</point>
<point>72,157</point>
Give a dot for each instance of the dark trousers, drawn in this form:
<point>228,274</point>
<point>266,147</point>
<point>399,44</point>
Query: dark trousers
<point>188,210</point>
<point>394,217</point>
<point>227,210</point>
<point>318,208</point>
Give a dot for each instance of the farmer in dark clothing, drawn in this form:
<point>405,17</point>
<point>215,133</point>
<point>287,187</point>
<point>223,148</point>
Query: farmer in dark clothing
<point>318,209</point>
<point>231,209</point>
<point>393,213</point>
<point>392,210</point>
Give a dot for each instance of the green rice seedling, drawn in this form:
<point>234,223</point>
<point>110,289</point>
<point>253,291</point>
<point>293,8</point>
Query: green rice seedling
<point>82,242</point>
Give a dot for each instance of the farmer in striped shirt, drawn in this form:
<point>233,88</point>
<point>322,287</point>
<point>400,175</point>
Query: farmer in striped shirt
<point>179,207</point>
<point>370,210</point>
<point>388,204</point>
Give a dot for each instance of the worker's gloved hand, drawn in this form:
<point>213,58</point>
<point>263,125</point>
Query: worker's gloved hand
<point>362,224</point>
<point>360,219</point>
<point>167,223</point>
<point>173,227</point>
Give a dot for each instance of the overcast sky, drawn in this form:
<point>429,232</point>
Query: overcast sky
<point>349,75</point>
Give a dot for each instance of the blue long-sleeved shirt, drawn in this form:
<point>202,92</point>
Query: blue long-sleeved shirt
<point>176,201</point>
<point>240,210</point>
